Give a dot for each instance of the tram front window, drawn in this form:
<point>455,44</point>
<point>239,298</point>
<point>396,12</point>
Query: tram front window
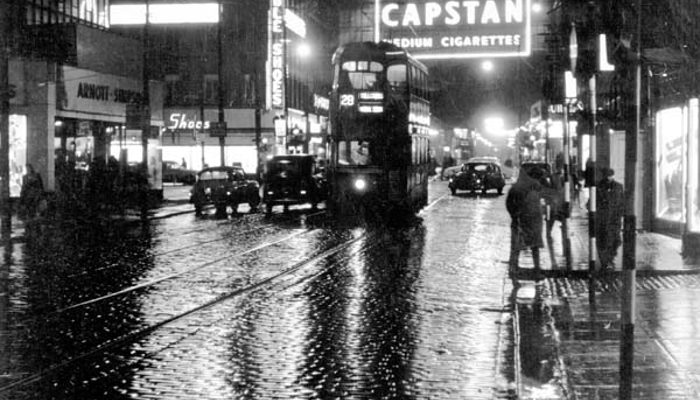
<point>362,75</point>
<point>354,152</point>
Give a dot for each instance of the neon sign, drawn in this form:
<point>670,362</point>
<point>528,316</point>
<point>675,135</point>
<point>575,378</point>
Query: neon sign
<point>277,54</point>
<point>456,29</point>
<point>180,121</point>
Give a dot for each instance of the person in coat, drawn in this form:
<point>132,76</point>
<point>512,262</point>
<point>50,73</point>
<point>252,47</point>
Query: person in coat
<point>610,210</point>
<point>31,193</point>
<point>523,203</point>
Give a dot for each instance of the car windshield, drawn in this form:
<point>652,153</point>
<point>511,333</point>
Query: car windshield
<point>479,167</point>
<point>213,175</point>
<point>284,168</point>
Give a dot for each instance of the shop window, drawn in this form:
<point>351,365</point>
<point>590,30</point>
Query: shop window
<point>211,89</point>
<point>669,160</point>
<point>171,84</point>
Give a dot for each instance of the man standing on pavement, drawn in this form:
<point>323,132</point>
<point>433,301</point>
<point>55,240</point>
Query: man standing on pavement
<point>610,210</point>
<point>524,206</point>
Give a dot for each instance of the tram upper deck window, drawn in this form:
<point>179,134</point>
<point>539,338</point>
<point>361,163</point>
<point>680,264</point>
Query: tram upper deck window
<point>363,75</point>
<point>397,77</point>
<point>354,152</point>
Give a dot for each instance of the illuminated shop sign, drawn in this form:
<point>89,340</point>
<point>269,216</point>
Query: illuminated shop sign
<point>180,121</point>
<point>294,23</point>
<point>455,29</point>
<point>277,54</point>
<point>171,13</point>
<point>88,91</point>
<point>322,103</point>
<point>93,91</point>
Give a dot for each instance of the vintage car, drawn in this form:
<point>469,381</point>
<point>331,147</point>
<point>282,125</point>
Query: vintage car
<point>293,179</point>
<point>224,187</point>
<point>478,175</point>
<point>449,172</point>
<point>176,173</point>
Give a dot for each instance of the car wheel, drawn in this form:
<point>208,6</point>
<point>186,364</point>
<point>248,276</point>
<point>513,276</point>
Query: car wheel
<point>500,190</point>
<point>197,209</point>
<point>220,209</point>
<point>234,208</point>
<point>268,208</point>
<point>483,191</point>
<point>453,190</point>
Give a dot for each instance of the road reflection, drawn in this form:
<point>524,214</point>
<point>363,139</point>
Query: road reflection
<point>60,268</point>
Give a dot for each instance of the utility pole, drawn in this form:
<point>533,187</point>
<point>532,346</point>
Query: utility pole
<point>566,240</point>
<point>145,114</point>
<point>220,66</point>
<point>630,234</point>
<point>7,23</point>
<point>591,174</point>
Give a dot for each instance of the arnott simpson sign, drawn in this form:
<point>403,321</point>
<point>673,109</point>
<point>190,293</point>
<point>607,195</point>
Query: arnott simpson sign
<point>455,29</point>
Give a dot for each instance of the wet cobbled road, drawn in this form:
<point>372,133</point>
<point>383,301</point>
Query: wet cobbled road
<point>253,307</point>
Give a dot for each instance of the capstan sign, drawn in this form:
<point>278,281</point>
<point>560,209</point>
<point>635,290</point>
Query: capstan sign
<point>455,29</point>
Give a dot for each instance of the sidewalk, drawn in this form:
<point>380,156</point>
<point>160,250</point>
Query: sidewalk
<point>175,202</point>
<point>584,325</point>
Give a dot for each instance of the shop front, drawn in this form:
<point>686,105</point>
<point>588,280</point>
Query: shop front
<point>677,178</point>
<point>187,138</point>
<point>90,125</point>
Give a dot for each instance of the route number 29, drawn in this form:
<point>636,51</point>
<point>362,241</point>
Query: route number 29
<point>347,100</point>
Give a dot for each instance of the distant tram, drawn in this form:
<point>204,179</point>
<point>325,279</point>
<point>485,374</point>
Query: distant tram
<point>380,114</point>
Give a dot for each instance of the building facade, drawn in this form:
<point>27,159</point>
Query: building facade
<point>74,80</point>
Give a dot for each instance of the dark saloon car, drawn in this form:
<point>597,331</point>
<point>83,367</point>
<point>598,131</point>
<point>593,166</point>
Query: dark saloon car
<point>224,187</point>
<point>293,179</point>
<point>478,175</point>
<point>176,173</point>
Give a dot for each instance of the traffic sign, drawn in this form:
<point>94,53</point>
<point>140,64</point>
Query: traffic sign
<point>137,116</point>
<point>217,129</point>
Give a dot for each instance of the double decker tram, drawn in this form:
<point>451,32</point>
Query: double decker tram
<point>380,114</point>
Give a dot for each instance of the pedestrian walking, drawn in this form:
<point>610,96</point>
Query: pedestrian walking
<point>31,194</point>
<point>523,203</point>
<point>610,210</point>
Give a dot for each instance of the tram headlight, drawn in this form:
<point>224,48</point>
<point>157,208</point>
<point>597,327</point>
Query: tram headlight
<point>360,184</point>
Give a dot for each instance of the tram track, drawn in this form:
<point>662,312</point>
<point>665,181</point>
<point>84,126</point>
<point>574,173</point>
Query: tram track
<point>198,267</point>
<point>268,282</point>
<point>197,245</point>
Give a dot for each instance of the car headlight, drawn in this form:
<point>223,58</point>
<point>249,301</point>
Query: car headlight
<point>207,190</point>
<point>360,184</point>
<point>228,193</point>
<point>302,192</point>
<point>270,192</point>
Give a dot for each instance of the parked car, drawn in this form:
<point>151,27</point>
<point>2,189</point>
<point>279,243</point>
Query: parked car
<point>478,175</point>
<point>224,187</point>
<point>174,172</point>
<point>450,172</point>
<point>293,179</point>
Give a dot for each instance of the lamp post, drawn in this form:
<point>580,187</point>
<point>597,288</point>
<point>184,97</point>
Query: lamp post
<point>221,126</point>
<point>145,115</point>
<point>6,35</point>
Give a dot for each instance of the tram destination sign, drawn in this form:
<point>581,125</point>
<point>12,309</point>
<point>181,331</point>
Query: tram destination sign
<point>456,29</point>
